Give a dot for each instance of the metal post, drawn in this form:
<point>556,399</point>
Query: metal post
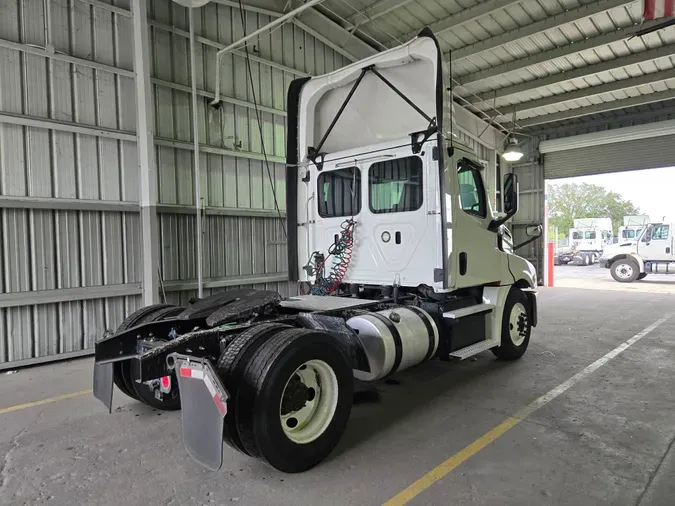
<point>195,140</point>
<point>146,154</point>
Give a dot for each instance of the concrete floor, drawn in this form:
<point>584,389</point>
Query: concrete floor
<point>595,277</point>
<point>604,441</point>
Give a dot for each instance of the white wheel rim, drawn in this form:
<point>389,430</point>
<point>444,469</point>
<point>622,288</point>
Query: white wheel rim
<point>624,271</point>
<point>518,324</point>
<point>315,383</point>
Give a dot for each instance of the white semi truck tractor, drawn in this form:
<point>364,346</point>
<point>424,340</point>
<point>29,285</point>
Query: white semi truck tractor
<point>652,253</point>
<point>631,228</point>
<point>587,240</point>
<point>390,226</point>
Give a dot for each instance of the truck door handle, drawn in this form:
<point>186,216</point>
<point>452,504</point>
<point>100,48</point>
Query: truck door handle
<point>668,250</point>
<point>397,237</point>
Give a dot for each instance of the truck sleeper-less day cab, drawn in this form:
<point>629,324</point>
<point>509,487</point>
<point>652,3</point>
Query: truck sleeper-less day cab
<point>588,238</point>
<point>652,253</point>
<point>390,225</point>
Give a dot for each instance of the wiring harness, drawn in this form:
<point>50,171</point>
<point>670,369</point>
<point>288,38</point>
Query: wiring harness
<point>341,253</point>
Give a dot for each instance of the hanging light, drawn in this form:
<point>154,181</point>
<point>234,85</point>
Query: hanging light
<point>513,153</point>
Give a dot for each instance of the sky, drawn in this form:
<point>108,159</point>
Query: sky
<point>651,190</point>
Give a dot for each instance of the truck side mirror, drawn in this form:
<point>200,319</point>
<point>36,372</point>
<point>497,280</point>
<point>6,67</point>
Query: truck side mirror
<point>510,194</point>
<point>510,201</point>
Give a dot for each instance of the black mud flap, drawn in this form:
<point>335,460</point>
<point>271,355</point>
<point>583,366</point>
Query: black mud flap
<point>103,384</point>
<point>203,408</point>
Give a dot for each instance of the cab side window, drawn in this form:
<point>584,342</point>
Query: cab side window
<point>471,190</point>
<point>660,232</point>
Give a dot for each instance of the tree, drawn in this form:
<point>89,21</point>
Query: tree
<point>572,200</point>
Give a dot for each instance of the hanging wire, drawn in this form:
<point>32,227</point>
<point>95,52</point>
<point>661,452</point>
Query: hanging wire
<point>259,121</point>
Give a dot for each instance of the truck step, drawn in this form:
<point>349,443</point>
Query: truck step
<point>466,311</point>
<point>474,349</point>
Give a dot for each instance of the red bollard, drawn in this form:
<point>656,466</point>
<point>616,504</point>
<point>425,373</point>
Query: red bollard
<point>550,264</point>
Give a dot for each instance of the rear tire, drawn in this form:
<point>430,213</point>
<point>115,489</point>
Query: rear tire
<point>170,401</point>
<point>121,370</point>
<point>516,326</point>
<point>295,400</point>
<point>231,366</point>
<point>625,270</point>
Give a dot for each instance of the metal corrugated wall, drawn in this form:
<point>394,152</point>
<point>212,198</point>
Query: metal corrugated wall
<point>650,153</point>
<point>69,271</point>
<point>70,244</point>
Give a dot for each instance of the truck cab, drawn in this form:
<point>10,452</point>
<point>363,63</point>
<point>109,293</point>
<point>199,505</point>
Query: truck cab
<point>398,257</point>
<point>651,253</point>
<point>588,239</point>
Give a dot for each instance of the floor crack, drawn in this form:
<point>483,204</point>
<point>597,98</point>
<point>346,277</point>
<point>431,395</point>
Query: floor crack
<point>7,459</point>
<point>653,475</point>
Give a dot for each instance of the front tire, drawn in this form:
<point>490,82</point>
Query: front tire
<point>516,326</point>
<point>296,397</point>
<point>587,259</point>
<point>625,271</point>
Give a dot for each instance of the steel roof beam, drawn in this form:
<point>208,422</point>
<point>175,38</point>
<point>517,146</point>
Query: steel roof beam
<point>376,10</point>
<point>568,129</point>
<point>585,71</point>
<point>599,108</point>
<point>552,54</point>
<point>622,84</point>
<point>542,25</point>
<point>464,16</point>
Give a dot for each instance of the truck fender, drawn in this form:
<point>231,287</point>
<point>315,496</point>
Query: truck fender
<point>636,258</point>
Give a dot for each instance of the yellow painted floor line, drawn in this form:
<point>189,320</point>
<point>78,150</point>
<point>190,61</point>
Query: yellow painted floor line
<point>469,451</point>
<point>27,405</point>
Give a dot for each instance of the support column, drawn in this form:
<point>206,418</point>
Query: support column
<point>147,170</point>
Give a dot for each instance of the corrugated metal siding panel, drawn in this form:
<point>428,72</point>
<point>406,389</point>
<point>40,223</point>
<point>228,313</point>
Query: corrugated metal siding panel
<point>233,246</point>
<point>53,250</point>
<point>630,155</point>
<point>48,249</point>
<point>531,211</point>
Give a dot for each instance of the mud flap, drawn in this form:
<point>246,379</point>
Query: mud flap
<point>103,384</point>
<point>203,409</point>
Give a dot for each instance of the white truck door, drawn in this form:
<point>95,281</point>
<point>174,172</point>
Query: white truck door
<point>657,243</point>
<point>475,255</point>
<point>393,197</point>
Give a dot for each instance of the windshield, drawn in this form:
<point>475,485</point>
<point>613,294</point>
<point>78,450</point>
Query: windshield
<point>589,235</point>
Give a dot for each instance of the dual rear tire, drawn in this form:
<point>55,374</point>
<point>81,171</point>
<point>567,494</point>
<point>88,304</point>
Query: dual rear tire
<point>290,395</point>
<point>126,373</point>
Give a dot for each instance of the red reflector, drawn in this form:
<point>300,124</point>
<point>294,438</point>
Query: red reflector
<point>186,371</point>
<point>166,381</point>
<point>221,407</point>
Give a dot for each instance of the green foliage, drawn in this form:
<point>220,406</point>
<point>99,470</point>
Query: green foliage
<point>571,200</point>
